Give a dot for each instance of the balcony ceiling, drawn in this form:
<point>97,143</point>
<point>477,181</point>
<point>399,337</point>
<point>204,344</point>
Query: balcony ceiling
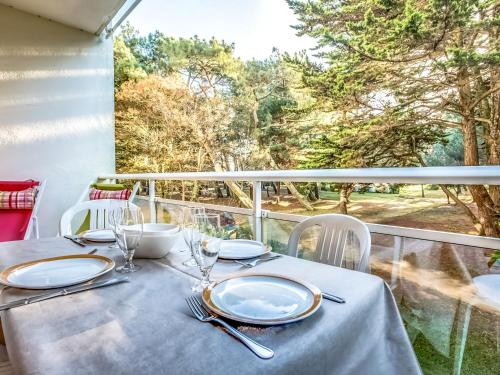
<point>87,15</point>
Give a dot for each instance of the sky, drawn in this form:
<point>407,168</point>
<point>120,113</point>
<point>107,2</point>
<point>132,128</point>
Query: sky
<point>255,26</point>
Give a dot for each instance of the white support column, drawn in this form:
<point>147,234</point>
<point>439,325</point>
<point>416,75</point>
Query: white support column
<point>396,260</point>
<point>257,210</point>
<point>152,203</point>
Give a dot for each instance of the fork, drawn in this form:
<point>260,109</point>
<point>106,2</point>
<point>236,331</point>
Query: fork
<point>254,262</point>
<point>75,239</point>
<point>204,316</point>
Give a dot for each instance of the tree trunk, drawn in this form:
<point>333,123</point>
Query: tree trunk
<point>485,206</point>
<point>237,191</point>
<point>228,191</point>
<point>483,201</point>
<point>492,135</point>
<point>475,221</point>
<point>196,191</point>
<point>233,186</point>
<point>199,166</point>
<point>290,186</point>
<point>314,192</point>
<point>422,191</point>
<point>219,191</point>
<point>466,208</point>
<point>345,193</point>
<point>302,200</point>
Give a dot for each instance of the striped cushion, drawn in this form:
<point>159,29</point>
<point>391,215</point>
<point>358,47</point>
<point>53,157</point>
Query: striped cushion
<point>108,194</point>
<point>17,200</point>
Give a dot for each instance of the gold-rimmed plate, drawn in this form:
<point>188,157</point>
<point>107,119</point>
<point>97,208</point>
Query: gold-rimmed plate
<point>98,235</point>
<point>242,249</point>
<point>56,272</point>
<point>262,299</point>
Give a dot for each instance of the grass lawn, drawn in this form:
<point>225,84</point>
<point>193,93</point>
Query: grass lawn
<point>407,209</point>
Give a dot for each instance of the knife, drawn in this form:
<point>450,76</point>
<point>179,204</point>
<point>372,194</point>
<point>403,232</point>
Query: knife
<point>62,292</point>
<point>333,297</point>
<point>75,240</point>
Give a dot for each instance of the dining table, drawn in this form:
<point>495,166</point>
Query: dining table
<point>144,326</point>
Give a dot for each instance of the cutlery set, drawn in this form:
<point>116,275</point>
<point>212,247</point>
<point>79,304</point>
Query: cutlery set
<point>77,240</point>
<point>252,263</point>
<point>203,315</point>
<point>63,292</point>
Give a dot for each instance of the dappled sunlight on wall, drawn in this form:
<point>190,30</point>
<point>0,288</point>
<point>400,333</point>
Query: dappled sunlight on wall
<point>56,108</point>
<point>66,73</point>
<point>32,132</point>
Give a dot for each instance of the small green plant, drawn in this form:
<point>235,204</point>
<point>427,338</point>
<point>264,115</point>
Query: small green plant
<point>494,257</point>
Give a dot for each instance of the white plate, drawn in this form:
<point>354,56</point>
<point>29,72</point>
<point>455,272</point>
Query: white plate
<point>56,272</point>
<point>262,299</point>
<point>99,235</point>
<point>242,249</point>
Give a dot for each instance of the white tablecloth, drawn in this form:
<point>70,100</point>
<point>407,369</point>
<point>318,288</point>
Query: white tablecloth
<point>145,327</point>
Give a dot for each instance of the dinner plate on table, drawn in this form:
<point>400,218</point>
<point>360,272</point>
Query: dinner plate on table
<point>56,272</point>
<point>242,249</point>
<point>262,299</point>
<point>99,235</point>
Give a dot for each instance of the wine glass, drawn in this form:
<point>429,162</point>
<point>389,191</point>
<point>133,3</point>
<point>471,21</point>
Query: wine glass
<point>207,239</point>
<point>112,226</point>
<point>189,230</point>
<point>128,223</point>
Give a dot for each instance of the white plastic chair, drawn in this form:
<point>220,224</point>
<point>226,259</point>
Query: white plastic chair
<point>98,213</point>
<point>336,234</point>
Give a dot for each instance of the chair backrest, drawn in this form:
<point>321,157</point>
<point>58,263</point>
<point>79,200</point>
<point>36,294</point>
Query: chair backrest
<point>98,211</point>
<point>84,196</point>
<point>18,224</point>
<point>336,234</point>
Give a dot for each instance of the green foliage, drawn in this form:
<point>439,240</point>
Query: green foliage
<point>393,83</point>
<point>448,152</point>
<point>126,65</point>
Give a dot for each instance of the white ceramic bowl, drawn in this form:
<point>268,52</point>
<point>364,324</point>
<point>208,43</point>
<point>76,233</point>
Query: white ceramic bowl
<point>157,240</point>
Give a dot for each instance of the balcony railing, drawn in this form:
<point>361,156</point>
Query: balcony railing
<point>488,175</point>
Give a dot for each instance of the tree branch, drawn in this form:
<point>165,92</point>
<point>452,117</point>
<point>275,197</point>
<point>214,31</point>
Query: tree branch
<point>483,96</point>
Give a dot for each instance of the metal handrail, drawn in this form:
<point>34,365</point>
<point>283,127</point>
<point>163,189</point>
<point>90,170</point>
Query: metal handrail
<point>487,175</point>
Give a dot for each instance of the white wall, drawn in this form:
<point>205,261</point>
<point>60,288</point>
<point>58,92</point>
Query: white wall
<point>56,108</point>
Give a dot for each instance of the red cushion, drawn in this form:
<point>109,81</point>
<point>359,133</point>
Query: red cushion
<point>14,223</point>
<point>95,194</point>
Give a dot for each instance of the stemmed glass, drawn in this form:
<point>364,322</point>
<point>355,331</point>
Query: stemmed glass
<point>111,225</point>
<point>189,228</point>
<point>207,239</point>
<point>128,224</point>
